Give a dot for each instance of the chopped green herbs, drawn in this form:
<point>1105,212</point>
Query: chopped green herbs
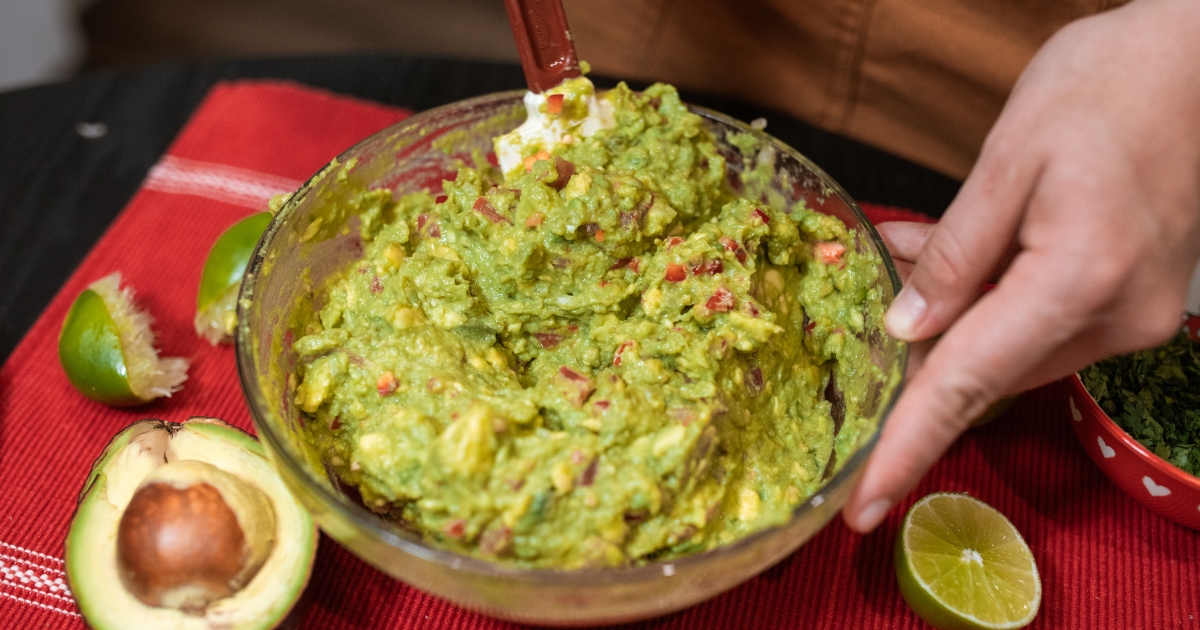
<point>1154,395</point>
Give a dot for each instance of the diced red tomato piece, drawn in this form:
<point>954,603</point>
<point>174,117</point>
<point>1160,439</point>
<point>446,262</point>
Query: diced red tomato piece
<point>625,345</point>
<point>762,216</point>
<point>829,253</point>
<point>534,220</point>
<point>676,272</point>
<point>673,241</point>
<point>620,263</point>
<point>576,387</point>
<point>386,384</point>
<point>573,375</point>
<point>729,244</point>
<point>722,301</point>
<point>455,528</point>
<point>440,199</point>
<point>634,264</point>
<point>554,103</point>
<point>599,236</point>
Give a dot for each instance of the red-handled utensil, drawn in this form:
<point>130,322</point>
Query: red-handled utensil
<point>543,41</point>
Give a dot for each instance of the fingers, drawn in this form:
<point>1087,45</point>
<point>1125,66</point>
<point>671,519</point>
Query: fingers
<point>1004,336</point>
<point>976,236</point>
<point>905,239</point>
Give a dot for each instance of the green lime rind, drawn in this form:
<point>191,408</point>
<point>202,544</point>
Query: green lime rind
<point>89,348</point>
<point>938,583</point>
<point>228,258</point>
<point>216,301</point>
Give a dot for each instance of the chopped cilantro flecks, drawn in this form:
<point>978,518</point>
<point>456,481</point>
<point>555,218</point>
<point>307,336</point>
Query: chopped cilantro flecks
<point>1154,395</point>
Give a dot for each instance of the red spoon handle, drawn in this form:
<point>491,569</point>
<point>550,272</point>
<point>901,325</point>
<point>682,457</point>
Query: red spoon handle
<point>543,41</point>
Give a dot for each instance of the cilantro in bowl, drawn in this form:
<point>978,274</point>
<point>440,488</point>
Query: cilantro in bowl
<point>1154,395</point>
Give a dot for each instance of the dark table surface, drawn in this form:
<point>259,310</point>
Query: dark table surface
<point>73,153</point>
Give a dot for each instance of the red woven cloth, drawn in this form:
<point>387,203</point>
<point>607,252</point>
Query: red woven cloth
<point>1105,561</point>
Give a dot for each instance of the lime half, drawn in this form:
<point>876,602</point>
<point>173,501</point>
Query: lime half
<point>107,349</point>
<point>216,301</point>
<point>962,564</point>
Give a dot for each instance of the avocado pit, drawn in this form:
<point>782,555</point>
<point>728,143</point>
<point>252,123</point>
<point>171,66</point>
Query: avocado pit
<point>192,534</point>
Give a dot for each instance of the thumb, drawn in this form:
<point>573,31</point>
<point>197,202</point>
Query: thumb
<point>975,236</point>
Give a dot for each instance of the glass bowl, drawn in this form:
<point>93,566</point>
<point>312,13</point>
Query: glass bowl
<point>309,239</point>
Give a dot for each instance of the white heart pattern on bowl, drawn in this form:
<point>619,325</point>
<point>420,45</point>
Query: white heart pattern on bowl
<point>1155,489</point>
<point>1108,452</point>
<point>1075,415</point>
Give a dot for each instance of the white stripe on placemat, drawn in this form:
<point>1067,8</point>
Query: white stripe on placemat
<point>40,605</point>
<point>221,182</point>
<point>34,577</point>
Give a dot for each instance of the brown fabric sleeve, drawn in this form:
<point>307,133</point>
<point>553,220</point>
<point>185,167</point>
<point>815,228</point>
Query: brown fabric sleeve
<point>924,79</point>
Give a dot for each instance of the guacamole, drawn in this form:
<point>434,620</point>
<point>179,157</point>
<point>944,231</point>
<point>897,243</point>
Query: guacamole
<point>596,355</point>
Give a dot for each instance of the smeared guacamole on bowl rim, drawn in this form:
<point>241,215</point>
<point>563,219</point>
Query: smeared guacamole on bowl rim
<point>596,355</point>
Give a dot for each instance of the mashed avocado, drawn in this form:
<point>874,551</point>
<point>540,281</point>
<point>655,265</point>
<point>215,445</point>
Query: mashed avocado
<point>600,357</point>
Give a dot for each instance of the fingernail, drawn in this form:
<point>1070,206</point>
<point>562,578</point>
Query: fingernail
<point>870,516</point>
<point>905,314</point>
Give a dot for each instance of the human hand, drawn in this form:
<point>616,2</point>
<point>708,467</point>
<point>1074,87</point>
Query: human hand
<point>1084,207</point>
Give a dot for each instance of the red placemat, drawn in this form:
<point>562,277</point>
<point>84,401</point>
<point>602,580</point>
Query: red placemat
<point>1105,560</point>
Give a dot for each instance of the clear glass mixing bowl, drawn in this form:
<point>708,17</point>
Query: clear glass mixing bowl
<point>294,256</point>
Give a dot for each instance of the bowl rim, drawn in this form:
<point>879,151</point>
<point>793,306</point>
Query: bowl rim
<point>1159,464</point>
<point>367,522</point>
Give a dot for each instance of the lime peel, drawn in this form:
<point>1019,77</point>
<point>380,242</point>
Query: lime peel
<point>961,564</point>
<point>216,300</point>
<point>146,375</point>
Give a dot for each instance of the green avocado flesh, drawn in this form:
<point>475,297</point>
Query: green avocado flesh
<point>92,567</point>
<point>602,358</point>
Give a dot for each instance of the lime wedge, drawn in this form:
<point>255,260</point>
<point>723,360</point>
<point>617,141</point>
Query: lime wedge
<point>216,301</point>
<point>107,349</point>
<point>962,564</point>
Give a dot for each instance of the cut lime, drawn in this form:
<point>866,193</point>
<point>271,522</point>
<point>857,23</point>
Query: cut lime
<point>107,349</point>
<point>216,302</point>
<point>962,564</point>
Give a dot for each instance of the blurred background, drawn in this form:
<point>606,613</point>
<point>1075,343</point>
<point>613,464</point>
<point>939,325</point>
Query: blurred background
<point>45,40</point>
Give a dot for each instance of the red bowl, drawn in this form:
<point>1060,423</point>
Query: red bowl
<point>1143,475</point>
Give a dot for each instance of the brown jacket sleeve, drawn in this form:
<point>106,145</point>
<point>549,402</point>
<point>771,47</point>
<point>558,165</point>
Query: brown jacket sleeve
<point>924,79</point>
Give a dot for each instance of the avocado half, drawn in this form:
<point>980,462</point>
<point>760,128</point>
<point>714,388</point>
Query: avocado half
<point>213,487</point>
